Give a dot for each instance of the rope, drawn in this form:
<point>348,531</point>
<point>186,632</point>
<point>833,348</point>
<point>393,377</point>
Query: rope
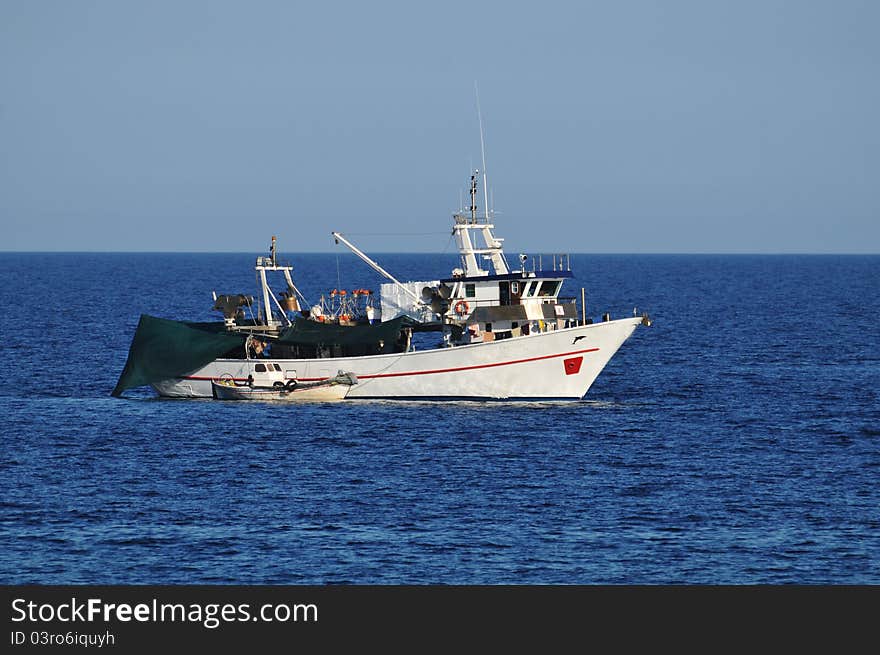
<point>394,234</point>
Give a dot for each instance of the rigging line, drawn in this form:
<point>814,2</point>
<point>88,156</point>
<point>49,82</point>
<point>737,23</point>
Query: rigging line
<point>446,247</point>
<point>338,278</point>
<point>299,293</point>
<point>394,234</point>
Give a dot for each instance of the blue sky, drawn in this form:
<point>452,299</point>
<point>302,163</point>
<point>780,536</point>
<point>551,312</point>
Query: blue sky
<point>610,126</point>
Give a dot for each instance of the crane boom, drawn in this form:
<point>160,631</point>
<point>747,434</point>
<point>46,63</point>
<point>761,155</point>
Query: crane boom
<point>369,262</point>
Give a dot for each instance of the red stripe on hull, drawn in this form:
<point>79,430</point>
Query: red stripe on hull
<point>435,371</point>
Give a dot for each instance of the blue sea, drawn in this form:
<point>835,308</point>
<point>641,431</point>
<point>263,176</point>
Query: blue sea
<point>735,441</point>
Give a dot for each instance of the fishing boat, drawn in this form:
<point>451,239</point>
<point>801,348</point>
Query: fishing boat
<point>500,331</point>
<point>267,382</point>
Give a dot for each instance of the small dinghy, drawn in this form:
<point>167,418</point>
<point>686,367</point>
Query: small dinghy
<point>274,387</point>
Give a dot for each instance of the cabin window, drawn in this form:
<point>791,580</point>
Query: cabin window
<point>514,325</point>
<point>529,289</point>
<point>277,367</point>
<point>470,290</point>
<point>549,288</point>
<point>488,327</point>
<point>260,368</point>
<point>514,288</point>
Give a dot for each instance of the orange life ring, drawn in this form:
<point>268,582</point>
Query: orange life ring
<point>461,307</point>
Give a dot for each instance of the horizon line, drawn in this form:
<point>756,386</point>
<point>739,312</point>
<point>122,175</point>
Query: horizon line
<point>409,252</point>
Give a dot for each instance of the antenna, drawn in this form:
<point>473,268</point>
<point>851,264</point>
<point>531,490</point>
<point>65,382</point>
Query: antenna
<point>482,151</point>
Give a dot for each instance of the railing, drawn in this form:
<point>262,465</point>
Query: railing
<point>559,262</point>
<point>473,303</point>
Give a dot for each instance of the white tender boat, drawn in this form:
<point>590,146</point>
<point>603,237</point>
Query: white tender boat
<point>499,332</point>
<point>267,383</point>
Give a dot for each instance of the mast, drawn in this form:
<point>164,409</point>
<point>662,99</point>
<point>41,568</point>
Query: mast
<point>267,306</point>
<point>270,263</point>
<point>463,225</point>
<point>474,197</point>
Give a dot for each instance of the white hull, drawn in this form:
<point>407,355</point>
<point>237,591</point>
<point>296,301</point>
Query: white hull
<point>322,393</point>
<point>560,364</point>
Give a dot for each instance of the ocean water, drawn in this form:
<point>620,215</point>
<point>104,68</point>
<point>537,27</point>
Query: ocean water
<point>735,441</point>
